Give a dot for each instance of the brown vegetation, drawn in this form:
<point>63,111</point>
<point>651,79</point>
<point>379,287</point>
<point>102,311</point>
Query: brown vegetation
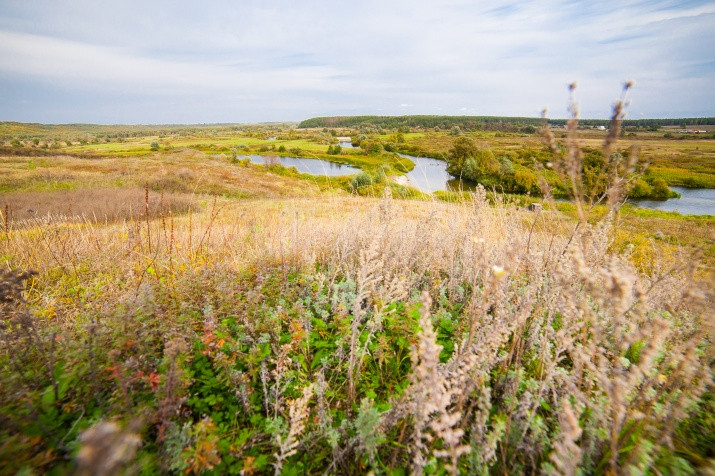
<point>95,204</point>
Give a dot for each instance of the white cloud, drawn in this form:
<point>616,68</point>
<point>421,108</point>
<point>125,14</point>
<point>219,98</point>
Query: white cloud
<point>293,58</point>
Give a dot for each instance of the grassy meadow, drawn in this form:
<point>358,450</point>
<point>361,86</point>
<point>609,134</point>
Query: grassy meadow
<point>172,308</point>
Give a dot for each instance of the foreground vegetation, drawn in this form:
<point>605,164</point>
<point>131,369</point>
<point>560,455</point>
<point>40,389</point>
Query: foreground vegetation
<point>183,312</point>
<point>347,334</point>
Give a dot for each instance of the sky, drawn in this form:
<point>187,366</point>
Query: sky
<point>181,62</point>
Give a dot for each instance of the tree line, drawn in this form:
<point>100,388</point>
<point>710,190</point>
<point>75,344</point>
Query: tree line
<point>484,122</point>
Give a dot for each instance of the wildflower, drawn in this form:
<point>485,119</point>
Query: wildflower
<point>498,271</point>
<point>478,241</point>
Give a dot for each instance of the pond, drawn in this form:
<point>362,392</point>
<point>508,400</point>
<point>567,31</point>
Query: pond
<point>347,145</point>
<point>692,201</point>
<point>430,175</point>
<point>306,166</point>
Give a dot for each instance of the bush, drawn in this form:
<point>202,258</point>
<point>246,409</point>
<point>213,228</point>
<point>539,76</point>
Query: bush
<point>525,181</point>
<point>640,189</point>
<point>363,179</point>
<point>154,146</point>
<point>661,191</point>
<point>371,147</point>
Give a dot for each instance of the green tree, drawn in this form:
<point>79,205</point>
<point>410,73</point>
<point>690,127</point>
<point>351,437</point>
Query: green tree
<point>468,161</point>
<point>154,146</point>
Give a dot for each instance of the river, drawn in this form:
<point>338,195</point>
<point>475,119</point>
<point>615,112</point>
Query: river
<point>692,201</point>
<point>306,166</point>
<point>430,175</point>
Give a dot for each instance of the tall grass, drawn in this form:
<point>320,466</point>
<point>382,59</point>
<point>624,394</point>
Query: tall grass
<point>346,335</point>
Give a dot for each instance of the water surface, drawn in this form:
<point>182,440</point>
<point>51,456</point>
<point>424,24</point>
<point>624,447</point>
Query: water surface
<point>692,201</point>
<point>306,166</point>
<point>430,175</point>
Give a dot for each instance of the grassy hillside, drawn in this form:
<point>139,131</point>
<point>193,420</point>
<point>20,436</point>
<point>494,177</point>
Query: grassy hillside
<point>184,312</point>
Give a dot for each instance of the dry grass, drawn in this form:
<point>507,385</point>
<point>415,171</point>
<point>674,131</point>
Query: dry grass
<point>95,204</point>
<point>181,172</point>
<point>554,321</point>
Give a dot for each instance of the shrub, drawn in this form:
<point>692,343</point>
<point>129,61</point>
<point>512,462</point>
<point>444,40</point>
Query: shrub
<point>362,179</point>
<point>661,191</point>
<point>525,181</point>
<point>371,147</point>
<point>640,189</point>
<point>390,147</point>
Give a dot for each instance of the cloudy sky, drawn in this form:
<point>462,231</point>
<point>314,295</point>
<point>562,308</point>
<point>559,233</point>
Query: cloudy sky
<point>271,60</point>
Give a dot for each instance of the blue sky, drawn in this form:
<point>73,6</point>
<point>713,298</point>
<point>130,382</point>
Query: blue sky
<point>254,61</point>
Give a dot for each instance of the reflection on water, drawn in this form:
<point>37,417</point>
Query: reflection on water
<point>347,145</point>
<point>306,166</point>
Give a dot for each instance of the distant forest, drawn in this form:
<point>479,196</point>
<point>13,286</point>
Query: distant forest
<point>485,122</point>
